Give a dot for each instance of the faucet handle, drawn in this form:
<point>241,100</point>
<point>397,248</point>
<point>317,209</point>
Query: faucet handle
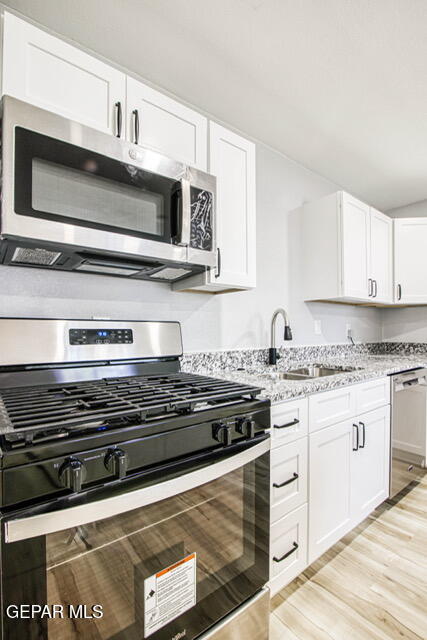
<point>288,333</point>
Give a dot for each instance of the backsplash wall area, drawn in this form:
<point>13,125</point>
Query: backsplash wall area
<point>227,321</point>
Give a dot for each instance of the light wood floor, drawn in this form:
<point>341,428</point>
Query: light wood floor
<point>372,585</point>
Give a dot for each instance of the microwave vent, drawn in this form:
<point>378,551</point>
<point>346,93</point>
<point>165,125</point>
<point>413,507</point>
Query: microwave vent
<point>170,273</point>
<point>25,255</point>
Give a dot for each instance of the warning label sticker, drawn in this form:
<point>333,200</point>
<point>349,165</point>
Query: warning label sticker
<point>169,593</point>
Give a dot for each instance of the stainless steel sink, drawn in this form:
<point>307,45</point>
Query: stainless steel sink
<point>318,371</point>
<point>309,372</point>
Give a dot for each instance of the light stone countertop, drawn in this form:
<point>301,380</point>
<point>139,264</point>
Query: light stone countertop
<point>369,367</point>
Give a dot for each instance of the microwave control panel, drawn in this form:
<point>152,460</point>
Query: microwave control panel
<point>101,336</point>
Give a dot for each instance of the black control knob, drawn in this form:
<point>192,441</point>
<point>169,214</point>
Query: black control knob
<point>116,461</point>
<point>246,426</point>
<point>72,474</point>
<point>222,433</point>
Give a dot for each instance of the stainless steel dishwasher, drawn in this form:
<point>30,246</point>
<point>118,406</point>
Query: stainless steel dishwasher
<point>409,428</point>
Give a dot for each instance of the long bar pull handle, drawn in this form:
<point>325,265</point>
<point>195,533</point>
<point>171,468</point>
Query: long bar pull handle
<point>283,484</point>
<point>119,119</point>
<point>399,292</point>
<point>136,125</point>
<point>218,270</point>
<point>287,554</point>
<point>58,520</point>
<point>362,424</point>
<point>287,425</point>
<point>356,448</point>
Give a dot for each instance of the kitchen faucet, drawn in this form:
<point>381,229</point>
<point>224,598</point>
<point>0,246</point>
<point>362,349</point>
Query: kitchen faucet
<point>272,352</point>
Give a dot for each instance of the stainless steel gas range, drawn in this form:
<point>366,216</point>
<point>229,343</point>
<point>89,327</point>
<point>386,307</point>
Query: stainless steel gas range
<point>134,497</point>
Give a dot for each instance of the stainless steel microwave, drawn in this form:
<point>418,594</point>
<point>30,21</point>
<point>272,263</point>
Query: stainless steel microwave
<point>77,199</point>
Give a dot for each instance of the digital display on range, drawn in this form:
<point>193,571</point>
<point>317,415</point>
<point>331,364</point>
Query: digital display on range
<point>101,336</point>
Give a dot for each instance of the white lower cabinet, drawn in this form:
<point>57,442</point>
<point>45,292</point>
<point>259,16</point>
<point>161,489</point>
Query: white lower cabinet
<point>329,492</point>
<point>370,468</point>
<point>330,464</point>
<point>289,421</point>
<point>288,478</point>
<point>348,476</point>
<point>288,548</point>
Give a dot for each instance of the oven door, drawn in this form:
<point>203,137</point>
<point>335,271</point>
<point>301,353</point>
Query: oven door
<point>72,186</point>
<point>160,556</point>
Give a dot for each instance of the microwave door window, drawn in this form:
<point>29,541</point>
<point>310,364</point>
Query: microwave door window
<point>58,181</point>
<point>88,198</point>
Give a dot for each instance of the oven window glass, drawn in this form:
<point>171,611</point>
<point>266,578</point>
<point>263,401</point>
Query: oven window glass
<point>65,183</point>
<point>222,527</point>
<point>79,195</point>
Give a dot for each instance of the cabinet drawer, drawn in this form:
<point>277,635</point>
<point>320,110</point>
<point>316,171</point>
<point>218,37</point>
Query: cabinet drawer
<point>288,548</point>
<point>372,395</point>
<point>289,421</point>
<point>331,407</point>
<point>288,469</point>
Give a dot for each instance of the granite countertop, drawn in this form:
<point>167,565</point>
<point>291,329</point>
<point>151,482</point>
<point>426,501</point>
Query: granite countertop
<point>368,367</point>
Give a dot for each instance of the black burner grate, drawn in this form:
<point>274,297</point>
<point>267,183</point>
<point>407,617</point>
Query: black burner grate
<point>102,401</point>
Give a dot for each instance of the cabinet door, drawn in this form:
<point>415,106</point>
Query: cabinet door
<point>232,160</point>
<point>370,464</point>
<point>381,251</point>
<point>49,73</point>
<point>165,125</point>
<point>330,453</point>
<point>355,243</point>
<point>410,242</point>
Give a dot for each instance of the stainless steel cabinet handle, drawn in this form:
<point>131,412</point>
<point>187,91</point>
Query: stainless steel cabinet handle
<point>362,424</point>
<point>118,106</point>
<point>287,554</point>
<point>399,291</point>
<point>283,484</point>
<point>58,520</point>
<point>135,113</point>
<point>370,287</point>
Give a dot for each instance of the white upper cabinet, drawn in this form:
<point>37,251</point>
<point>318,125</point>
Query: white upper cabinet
<point>232,161</point>
<point>347,251</point>
<point>49,73</point>
<point>165,125</point>
<point>410,255</point>
<point>381,257</point>
<point>355,247</point>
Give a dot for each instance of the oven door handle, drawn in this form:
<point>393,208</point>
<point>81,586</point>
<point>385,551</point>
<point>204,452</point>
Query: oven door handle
<point>53,521</point>
<point>184,227</point>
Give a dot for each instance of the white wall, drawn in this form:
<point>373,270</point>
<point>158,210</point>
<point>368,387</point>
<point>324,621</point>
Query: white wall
<point>231,320</point>
<point>407,324</point>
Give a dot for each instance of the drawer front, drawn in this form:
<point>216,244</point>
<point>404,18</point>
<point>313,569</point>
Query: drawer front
<point>331,407</point>
<point>289,421</point>
<point>372,395</point>
<point>288,477</point>
<point>288,548</point>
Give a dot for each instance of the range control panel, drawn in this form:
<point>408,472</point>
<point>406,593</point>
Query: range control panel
<point>101,336</point>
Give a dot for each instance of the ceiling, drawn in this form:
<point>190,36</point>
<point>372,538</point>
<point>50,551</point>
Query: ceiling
<point>338,85</point>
